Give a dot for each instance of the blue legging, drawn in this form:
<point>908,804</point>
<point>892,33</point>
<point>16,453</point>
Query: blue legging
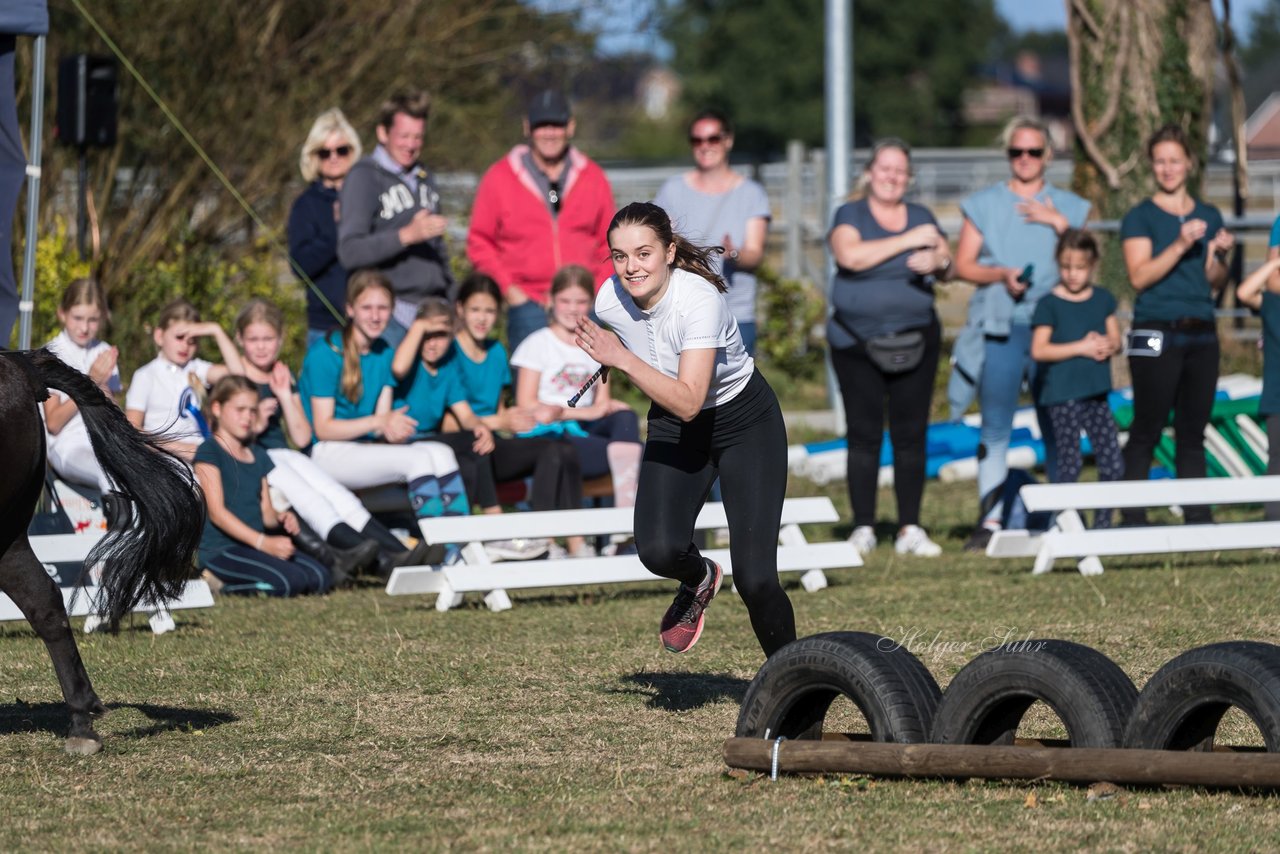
<point>621,426</point>
<point>245,570</point>
<point>1007,361</point>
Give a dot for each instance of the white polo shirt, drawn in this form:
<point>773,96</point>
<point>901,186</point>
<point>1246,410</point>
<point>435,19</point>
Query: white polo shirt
<point>692,315</point>
<point>80,358</point>
<point>162,391</point>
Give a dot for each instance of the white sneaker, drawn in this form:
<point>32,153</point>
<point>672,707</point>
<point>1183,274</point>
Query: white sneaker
<point>517,549</point>
<point>863,539</point>
<point>912,540</point>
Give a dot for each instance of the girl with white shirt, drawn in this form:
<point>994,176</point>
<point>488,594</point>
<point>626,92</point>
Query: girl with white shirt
<point>164,394</point>
<point>605,432</point>
<point>82,312</point>
<point>713,415</point>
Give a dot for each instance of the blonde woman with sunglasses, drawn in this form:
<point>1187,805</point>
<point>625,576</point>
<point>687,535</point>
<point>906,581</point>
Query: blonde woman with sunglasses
<point>332,146</point>
<point>1006,247</point>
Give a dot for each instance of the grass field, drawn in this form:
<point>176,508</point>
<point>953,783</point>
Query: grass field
<point>364,722</point>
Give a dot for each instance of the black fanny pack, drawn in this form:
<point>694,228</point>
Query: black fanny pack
<point>895,353</point>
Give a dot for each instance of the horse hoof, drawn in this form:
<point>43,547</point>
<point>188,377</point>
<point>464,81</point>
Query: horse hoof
<point>82,746</point>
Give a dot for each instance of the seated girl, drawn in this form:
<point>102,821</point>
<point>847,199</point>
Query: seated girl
<point>235,545</point>
<point>164,394</point>
<point>82,312</point>
<point>346,389</point>
<point>432,386</point>
<point>605,432</point>
<point>482,363</point>
<point>330,514</point>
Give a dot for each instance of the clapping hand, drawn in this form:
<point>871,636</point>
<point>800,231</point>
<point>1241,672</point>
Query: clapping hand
<point>599,343</point>
<point>398,427</point>
<point>103,366</point>
<point>1222,242</point>
<point>1191,232</point>
<point>1097,347</point>
<point>922,262</point>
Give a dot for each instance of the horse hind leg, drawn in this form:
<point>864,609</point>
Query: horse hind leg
<point>24,580</point>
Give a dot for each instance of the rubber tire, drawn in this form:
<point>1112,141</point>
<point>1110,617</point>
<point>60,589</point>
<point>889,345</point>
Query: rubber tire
<point>795,688</point>
<point>1180,708</point>
<point>988,698</point>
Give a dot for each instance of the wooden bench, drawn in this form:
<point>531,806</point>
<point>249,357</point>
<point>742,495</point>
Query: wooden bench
<point>63,554</point>
<point>1069,538</point>
<point>477,573</point>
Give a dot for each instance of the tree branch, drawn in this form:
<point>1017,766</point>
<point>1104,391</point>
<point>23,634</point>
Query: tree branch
<point>1087,140</point>
<point>1232,62</point>
<point>1086,18</point>
<point>1112,108</point>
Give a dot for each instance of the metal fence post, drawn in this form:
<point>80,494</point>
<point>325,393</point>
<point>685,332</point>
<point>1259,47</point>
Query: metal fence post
<point>793,261</point>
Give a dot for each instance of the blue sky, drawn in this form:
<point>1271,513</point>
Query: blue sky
<point>1052,14</point>
<point>626,26</point>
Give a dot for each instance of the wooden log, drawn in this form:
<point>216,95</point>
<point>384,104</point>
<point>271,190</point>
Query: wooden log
<point>1075,765</point>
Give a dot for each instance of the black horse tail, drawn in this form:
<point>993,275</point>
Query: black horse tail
<point>148,559</point>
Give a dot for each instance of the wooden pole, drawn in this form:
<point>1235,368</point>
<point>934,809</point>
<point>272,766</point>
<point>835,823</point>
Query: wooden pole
<point>1076,765</point>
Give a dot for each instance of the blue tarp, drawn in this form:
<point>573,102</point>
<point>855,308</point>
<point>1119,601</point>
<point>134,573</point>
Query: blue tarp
<point>17,18</point>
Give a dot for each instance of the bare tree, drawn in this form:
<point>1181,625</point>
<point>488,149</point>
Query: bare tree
<point>247,78</point>
<point>1135,65</point>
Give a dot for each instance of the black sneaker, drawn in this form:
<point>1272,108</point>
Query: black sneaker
<point>979,539</point>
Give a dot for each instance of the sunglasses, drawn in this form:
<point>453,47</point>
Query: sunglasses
<point>326,153</point>
<point>1015,153</point>
<point>714,139</point>
<point>440,333</point>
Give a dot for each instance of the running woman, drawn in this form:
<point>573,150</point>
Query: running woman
<point>713,415</point>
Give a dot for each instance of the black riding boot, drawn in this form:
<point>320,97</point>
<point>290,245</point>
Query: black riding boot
<point>344,564</point>
<point>392,551</point>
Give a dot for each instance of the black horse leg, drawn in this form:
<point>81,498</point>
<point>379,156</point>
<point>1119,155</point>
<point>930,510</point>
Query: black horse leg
<point>24,580</point>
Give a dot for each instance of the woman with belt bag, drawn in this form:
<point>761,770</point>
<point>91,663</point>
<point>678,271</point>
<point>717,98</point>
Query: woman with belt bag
<point>884,338</point>
<point>1175,250</point>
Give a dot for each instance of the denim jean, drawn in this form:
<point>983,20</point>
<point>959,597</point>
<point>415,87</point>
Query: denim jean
<point>748,331</point>
<point>522,321</point>
<point>1007,361</point>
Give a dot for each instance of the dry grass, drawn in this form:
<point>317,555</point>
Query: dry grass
<point>365,722</point>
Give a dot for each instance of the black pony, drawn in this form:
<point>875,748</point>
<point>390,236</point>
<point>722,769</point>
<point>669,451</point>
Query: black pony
<point>146,556</point>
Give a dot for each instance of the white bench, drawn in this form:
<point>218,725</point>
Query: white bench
<point>74,548</point>
<point>478,573</point>
<point>1069,538</point>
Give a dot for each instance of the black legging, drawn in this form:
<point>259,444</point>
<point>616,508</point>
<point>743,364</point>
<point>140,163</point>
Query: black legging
<point>1183,378</point>
<point>863,388</point>
<point>557,476</point>
<point>744,442</point>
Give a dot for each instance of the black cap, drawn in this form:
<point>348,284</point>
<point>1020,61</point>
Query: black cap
<point>549,108</point>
